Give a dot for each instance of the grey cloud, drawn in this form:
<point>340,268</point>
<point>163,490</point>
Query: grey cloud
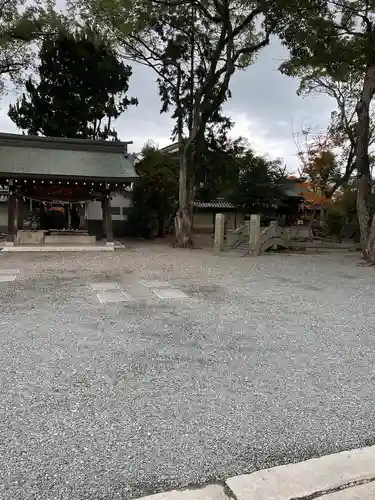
<point>270,98</point>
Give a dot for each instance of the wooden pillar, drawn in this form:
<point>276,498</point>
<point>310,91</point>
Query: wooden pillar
<point>42,216</point>
<point>21,209</point>
<point>107,219</point>
<point>66,216</point>
<point>11,215</point>
<point>69,217</point>
<point>104,227</point>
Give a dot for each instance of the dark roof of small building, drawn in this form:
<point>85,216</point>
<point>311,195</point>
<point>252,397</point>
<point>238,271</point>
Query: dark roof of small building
<point>213,204</point>
<point>49,157</point>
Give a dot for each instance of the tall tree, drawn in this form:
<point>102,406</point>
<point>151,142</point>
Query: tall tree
<point>337,37</point>
<point>195,47</point>
<point>81,90</point>
<point>22,25</point>
<point>155,191</point>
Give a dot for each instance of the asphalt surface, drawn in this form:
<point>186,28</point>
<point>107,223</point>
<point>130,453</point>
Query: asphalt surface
<point>267,360</point>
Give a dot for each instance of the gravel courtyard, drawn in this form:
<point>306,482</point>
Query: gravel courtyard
<point>263,361</point>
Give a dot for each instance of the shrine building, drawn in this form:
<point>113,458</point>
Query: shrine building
<point>54,186</point>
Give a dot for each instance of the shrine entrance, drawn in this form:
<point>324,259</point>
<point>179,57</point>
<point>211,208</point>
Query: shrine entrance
<point>59,217</point>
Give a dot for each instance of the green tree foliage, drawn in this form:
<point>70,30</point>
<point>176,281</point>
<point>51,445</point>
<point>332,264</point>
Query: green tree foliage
<point>344,205</point>
<point>154,192</point>
<point>219,167</point>
<point>230,169</point>
<point>22,25</point>
<point>81,90</point>
<point>260,183</point>
<point>341,214</point>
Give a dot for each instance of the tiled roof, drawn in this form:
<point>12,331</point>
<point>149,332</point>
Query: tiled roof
<point>28,156</point>
<point>172,148</point>
<point>213,204</point>
<point>304,189</point>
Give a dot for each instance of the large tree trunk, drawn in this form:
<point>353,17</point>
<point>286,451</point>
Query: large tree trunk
<point>185,203</point>
<point>184,217</point>
<point>363,164</point>
<point>363,214</point>
<point>370,244</point>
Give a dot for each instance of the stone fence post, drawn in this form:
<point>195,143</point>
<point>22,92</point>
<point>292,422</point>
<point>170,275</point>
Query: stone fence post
<point>254,234</point>
<point>219,233</point>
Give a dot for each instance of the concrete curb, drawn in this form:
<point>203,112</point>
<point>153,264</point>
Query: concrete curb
<point>81,248</point>
<point>310,479</point>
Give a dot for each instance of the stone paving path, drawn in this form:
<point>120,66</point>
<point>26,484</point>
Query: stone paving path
<point>8,275</point>
<point>110,292</point>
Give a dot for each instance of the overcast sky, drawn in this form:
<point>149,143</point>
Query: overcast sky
<point>264,106</point>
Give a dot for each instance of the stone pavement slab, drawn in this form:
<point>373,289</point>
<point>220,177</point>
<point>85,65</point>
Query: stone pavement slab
<point>106,285</point>
<point>306,478</point>
<point>156,284</point>
<point>362,492</point>
<point>170,294</point>
<point>209,492</point>
<point>6,278</point>
<point>9,271</point>
<point>113,297</point>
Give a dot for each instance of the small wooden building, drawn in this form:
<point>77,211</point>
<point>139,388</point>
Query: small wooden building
<point>52,174</point>
<point>204,214</point>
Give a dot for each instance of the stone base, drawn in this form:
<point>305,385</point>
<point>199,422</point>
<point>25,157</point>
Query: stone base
<point>69,238</point>
<point>29,237</point>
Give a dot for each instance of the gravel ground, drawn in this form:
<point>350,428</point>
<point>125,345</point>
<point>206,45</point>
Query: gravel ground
<point>269,360</point>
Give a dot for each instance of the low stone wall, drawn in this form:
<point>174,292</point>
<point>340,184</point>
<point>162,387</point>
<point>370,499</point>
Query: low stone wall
<point>29,237</point>
<point>69,239</point>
